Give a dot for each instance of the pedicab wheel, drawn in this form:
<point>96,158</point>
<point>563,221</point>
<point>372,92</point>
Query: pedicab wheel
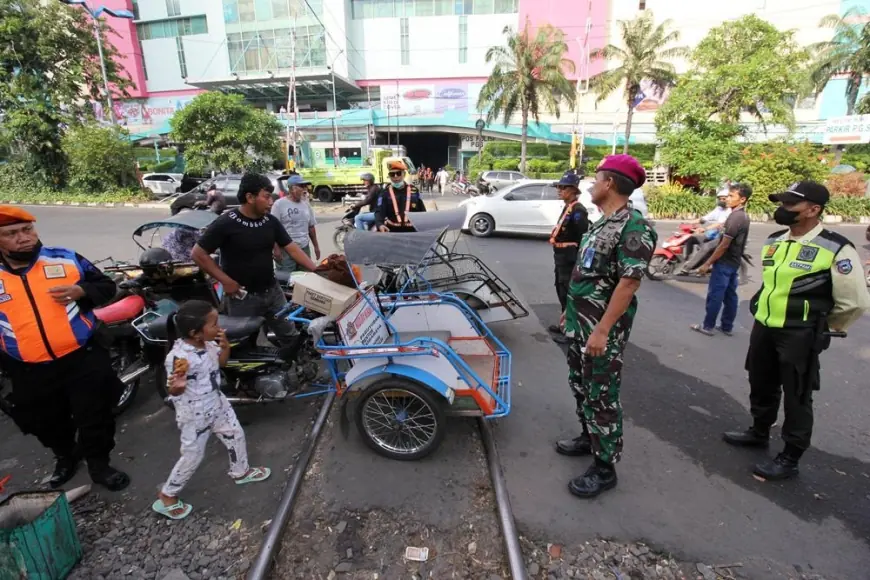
<point>401,419</point>
<point>659,268</point>
<point>481,225</point>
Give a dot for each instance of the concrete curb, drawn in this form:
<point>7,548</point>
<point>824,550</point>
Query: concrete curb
<point>828,219</point>
<point>88,204</point>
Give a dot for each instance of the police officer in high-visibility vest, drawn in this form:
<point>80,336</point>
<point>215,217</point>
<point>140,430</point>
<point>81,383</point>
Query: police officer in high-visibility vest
<point>812,284</point>
<point>62,380</point>
<point>397,200</point>
<point>565,239</point>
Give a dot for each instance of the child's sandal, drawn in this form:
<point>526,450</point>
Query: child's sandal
<point>254,475</point>
<point>170,510</point>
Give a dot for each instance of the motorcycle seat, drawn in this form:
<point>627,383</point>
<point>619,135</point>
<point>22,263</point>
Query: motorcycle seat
<point>123,310</point>
<point>237,327</point>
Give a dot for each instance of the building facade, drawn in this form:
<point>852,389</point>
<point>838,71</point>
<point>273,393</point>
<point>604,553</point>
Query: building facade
<point>390,70</point>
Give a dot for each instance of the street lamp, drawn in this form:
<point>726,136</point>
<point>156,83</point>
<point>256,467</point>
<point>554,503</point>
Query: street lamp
<point>334,112</point>
<point>95,16</point>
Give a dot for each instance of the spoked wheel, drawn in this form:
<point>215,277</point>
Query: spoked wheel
<point>400,419</point>
<point>122,364</point>
<point>338,237</point>
<point>660,267</point>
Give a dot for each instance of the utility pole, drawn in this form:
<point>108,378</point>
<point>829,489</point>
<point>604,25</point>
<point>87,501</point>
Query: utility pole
<point>582,87</point>
<point>334,113</point>
<point>292,104</point>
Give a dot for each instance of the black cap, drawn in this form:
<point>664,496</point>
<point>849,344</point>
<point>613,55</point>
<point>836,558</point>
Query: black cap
<point>253,183</point>
<point>810,191</point>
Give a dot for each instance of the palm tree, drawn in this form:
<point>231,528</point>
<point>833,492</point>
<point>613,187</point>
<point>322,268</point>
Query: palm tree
<point>644,55</point>
<point>847,53</point>
<point>528,75</point>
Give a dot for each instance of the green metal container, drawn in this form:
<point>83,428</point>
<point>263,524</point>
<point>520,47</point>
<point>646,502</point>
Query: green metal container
<point>38,539</point>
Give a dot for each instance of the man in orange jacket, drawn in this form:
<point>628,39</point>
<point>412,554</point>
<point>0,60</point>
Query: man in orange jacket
<point>62,380</point>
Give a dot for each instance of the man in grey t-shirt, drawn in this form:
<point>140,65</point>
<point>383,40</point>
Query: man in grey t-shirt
<point>297,217</point>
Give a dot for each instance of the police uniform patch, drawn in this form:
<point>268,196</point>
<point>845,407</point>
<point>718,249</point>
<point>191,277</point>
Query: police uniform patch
<point>54,271</point>
<point>2,287</point>
<point>771,250</point>
<point>633,241</point>
<point>807,254</point>
<point>844,266</point>
<point>5,298</point>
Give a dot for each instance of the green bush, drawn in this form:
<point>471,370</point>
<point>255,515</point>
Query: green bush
<point>848,207</point>
<point>163,166</point>
<point>771,167</point>
<point>100,158</point>
<point>508,164</point>
<point>19,184</point>
<point>680,205</point>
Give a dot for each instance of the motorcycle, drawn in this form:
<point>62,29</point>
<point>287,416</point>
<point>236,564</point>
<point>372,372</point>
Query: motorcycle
<point>668,259</point>
<point>464,188</point>
<point>253,373</point>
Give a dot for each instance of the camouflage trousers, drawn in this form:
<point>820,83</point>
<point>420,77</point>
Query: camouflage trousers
<point>595,383</point>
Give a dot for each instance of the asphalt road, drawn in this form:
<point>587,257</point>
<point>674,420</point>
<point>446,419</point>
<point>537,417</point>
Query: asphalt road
<point>681,488</point>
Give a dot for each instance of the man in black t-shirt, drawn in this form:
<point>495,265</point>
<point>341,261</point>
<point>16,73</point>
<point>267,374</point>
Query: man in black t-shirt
<point>724,264</point>
<point>246,237</point>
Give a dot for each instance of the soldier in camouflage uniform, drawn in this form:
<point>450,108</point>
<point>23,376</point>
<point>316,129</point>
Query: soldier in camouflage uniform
<point>611,262</point>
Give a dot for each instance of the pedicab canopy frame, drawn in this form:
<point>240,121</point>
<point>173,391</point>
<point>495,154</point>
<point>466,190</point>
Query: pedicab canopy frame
<point>412,356</point>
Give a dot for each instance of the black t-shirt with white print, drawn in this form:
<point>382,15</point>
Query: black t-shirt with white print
<point>246,247</point>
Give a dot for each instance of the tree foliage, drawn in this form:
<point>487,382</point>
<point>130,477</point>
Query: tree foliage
<point>848,52</point>
<point>100,158</point>
<point>49,73</point>
<point>645,53</point>
<point>743,67</point>
<point>223,133</point>
<point>528,76</point>
<point>771,167</point>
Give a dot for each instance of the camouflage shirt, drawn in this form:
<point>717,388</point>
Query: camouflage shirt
<point>615,247</point>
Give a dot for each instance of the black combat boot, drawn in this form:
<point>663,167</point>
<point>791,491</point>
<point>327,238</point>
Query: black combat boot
<point>65,468</point>
<point>104,474</point>
<point>783,466</point>
<point>752,437</point>
<point>576,447</point>
<point>600,477</point>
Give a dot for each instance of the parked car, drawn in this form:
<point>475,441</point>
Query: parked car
<point>190,181</point>
<point>531,206</point>
<point>162,184</point>
<point>499,179</point>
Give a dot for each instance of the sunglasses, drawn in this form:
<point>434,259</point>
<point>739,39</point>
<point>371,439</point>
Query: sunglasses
<point>396,173</point>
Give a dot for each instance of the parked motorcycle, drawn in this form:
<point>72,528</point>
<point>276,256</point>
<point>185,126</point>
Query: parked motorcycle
<point>668,259</point>
<point>254,373</point>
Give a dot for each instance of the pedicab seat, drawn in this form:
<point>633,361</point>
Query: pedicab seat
<point>237,327</point>
<point>442,335</point>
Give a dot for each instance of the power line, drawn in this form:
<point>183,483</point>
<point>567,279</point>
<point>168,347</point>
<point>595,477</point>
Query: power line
<point>316,17</point>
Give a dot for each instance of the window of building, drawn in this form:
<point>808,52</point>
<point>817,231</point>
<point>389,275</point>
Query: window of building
<point>281,8</point>
<point>482,7</point>
<point>505,6</point>
<point>142,56</point>
<point>406,52</point>
<point>182,62</point>
<point>231,11</point>
<point>246,11</point>
<point>172,28</point>
<point>263,10</point>
<point>173,7</point>
<point>385,8</point>
<point>463,39</point>
<point>407,8</point>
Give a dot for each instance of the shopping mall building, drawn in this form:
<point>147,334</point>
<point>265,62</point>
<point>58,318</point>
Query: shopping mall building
<point>406,70</point>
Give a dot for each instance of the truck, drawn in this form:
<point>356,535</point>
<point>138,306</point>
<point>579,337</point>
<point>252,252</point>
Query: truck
<point>330,184</point>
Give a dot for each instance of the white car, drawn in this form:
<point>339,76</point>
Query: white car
<point>162,184</point>
<point>532,206</point>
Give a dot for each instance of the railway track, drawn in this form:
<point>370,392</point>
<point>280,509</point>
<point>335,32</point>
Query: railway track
<point>269,549</point>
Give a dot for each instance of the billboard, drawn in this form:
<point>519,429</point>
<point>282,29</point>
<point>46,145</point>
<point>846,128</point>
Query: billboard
<point>423,99</point>
<point>142,114</point>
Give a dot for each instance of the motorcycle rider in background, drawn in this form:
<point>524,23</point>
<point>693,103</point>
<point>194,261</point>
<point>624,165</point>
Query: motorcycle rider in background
<point>705,239</point>
<point>363,221</point>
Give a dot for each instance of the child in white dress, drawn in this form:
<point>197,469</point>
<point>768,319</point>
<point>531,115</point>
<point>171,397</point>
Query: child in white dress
<point>193,380</point>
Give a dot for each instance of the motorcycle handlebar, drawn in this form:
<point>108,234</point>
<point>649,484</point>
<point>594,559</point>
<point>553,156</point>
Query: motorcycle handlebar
<point>836,334</point>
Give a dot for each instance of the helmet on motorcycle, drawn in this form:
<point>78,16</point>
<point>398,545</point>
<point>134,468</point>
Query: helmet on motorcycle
<point>367,177</point>
<point>155,261</point>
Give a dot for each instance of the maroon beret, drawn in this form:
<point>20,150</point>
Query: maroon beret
<point>626,166</point>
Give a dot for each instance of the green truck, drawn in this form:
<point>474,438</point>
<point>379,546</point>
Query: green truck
<point>333,183</point>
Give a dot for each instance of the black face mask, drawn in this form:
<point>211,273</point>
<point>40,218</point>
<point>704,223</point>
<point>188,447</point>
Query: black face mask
<point>785,217</point>
<point>26,256</point>
<point>722,203</point>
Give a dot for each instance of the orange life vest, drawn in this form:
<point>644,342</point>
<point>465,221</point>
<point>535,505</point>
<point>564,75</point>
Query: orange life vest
<point>33,327</point>
<point>558,227</point>
<point>404,220</point>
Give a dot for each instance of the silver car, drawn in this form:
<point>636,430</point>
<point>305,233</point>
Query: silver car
<point>501,179</point>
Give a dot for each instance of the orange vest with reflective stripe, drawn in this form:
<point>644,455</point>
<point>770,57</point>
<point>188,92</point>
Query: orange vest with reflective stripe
<point>33,327</point>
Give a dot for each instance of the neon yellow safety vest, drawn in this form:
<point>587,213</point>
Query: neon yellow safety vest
<point>796,280</point>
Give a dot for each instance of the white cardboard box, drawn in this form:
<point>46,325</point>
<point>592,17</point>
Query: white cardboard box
<point>321,295</point>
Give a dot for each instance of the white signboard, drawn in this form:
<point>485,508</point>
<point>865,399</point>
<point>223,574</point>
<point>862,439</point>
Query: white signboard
<point>846,130</point>
<point>362,325</point>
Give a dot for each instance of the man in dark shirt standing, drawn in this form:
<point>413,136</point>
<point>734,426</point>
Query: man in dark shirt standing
<point>724,264</point>
<point>565,239</point>
<point>246,237</point>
